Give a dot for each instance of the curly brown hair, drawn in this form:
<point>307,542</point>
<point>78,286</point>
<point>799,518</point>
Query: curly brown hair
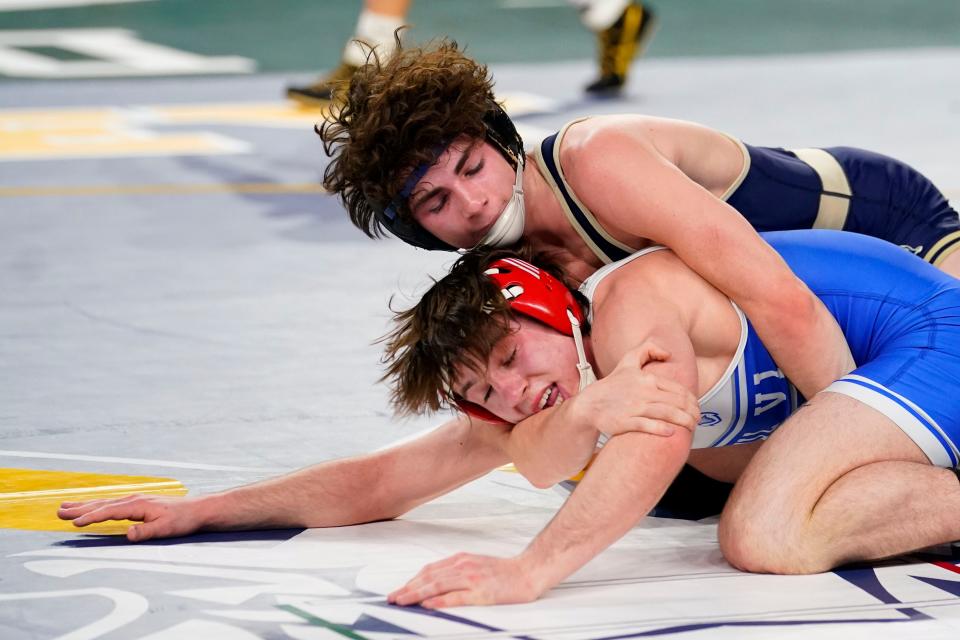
<point>396,114</point>
<point>458,321</point>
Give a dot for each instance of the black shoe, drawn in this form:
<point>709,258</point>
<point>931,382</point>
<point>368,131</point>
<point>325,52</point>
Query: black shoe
<point>324,89</point>
<point>619,44</point>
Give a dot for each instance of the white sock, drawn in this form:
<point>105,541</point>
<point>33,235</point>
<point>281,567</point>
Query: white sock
<point>375,29</point>
<point>598,15</point>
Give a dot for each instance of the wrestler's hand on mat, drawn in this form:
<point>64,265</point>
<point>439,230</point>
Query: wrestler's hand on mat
<point>468,579</point>
<point>159,516</point>
<point>630,399</point>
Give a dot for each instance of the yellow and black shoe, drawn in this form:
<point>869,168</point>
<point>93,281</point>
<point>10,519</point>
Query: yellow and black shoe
<point>322,92</point>
<point>619,44</point>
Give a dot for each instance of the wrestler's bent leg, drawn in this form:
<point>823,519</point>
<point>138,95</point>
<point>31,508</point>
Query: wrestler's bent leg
<point>838,482</point>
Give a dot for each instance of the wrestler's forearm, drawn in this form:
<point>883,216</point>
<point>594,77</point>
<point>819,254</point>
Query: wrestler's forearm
<point>804,339</point>
<point>801,335</point>
<point>376,486</point>
<point>335,493</point>
<point>552,445</point>
<point>628,477</point>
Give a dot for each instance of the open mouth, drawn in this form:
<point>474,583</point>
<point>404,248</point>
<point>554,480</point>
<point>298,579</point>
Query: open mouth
<point>551,397</point>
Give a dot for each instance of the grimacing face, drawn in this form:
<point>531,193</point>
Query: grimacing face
<point>530,369</point>
<point>461,196</point>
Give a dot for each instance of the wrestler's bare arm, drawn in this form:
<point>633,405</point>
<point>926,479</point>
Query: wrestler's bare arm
<point>376,486</point>
<point>627,315</point>
<point>708,157</point>
<point>636,192</point>
<point>628,477</point>
<point>557,443</point>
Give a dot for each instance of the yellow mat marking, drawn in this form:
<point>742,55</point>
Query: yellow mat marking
<point>29,498</point>
<point>137,131</point>
<point>272,114</point>
<point>512,468</point>
<point>42,134</point>
<point>66,133</point>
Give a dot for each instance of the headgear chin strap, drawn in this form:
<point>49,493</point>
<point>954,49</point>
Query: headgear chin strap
<point>532,292</point>
<point>508,228</point>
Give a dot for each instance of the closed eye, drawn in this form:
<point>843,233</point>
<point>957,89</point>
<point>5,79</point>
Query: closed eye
<point>475,170</point>
<point>486,396</point>
<point>439,203</point>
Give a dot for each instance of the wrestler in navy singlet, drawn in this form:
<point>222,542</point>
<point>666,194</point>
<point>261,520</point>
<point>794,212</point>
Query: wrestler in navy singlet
<point>901,319</point>
<point>839,188</point>
<point>850,190</point>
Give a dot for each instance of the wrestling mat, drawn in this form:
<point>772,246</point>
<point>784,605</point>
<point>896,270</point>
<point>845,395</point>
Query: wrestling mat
<point>183,309</point>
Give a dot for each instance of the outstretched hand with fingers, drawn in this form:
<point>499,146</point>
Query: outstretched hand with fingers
<point>159,516</point>
<point>468,579</point>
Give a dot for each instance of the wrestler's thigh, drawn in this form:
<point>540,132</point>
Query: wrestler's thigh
<point>827,438</point>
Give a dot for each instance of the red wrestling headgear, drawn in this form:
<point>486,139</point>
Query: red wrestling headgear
<point>536,294</point>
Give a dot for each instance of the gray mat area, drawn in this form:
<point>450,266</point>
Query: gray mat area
<point>232,329</point>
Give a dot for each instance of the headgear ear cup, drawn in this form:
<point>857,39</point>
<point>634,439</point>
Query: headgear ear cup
<point>535,293</point>
<point>502,133</point>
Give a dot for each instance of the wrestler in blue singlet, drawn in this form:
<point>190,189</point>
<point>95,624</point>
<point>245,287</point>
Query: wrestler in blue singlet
<point>901,319</point>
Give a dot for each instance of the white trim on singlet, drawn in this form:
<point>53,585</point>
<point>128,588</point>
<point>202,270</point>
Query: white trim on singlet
<point>589,286</point>
<point>744,170</point>
<point>548,177</point>
<point>913,420</point>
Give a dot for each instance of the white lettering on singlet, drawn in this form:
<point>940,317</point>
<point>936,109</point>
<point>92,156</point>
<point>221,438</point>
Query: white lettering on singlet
<point>766,401</point>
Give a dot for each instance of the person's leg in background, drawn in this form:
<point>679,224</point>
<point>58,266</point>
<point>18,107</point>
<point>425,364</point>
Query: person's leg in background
<point>376,27</point>
<point>623,28</point>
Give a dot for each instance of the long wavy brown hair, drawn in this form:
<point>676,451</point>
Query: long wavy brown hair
<point>458,320</point>
<point>396,114</point>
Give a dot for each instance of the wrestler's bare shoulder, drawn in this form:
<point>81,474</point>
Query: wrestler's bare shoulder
<point>655,130</point>
<point>659,274</point>
<point>709,157</point>
<point>658,290</point>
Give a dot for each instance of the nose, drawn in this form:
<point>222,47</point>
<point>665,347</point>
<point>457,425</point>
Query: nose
<point>510,386</point>
<point>474,199</point>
